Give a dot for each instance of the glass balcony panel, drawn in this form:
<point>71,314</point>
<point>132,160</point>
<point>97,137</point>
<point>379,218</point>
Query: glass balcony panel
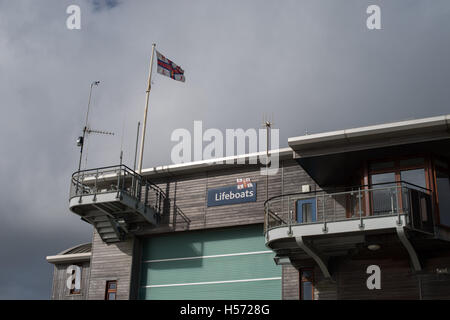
<point>415,177</point>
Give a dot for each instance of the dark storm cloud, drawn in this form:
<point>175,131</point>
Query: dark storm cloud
<point>314,64</point>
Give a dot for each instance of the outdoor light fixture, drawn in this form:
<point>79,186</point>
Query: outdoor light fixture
<point>282,260</point>
<point>373,247</point>
<point>80,141</point>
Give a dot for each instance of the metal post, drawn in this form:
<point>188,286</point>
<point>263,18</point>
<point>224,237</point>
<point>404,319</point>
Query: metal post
<point>95,186</point>
<point>392,202</point>
<point>136,149</point>
<point>289,217</point>
<point>146,197</point>
<point>266,218</point>
<point>118,182</point>
<point>324,229</point>
<point>334,209</point>
<point>290,223</point>
<point>133,183</point>
<point>146,109</point>
<point>267,160</point>
<point>399,221</point>
<point>323,207</point>
<point>361,224</point>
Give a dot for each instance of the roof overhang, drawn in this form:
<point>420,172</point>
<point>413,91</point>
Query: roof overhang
<point>214,164</point>
<point>69,258</point>
<point>370,137</point>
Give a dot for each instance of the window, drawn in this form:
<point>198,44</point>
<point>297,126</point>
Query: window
<point>306,284</point>
<point>381,199</point>
<point>443,191</point>
<point>111,290</point>
<point>410,170</point>
<point>385,175</point>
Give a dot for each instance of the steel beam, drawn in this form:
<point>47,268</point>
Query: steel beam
<point>313,253</point>
<point>409,247</point>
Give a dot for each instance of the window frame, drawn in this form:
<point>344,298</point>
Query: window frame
<point>427,166</point>
<point>397,168</point>
<point>435,168</point>
<point>430,166</point>
<point>108,290</point>
<point>312,281</point>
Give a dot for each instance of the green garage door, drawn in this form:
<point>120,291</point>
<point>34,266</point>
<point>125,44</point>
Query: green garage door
<point>230,263</point>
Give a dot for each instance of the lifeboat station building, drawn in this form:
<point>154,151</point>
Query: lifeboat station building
<point>352,214</point>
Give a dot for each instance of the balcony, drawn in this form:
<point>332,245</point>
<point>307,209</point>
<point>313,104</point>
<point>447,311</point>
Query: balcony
<point>321,225</point>
<point>116,201</point>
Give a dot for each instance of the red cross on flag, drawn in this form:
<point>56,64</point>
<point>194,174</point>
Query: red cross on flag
<point>168,68</point>
<point>244,183</point>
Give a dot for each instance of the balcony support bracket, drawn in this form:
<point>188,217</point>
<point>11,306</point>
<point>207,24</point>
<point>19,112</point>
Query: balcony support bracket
<point>409,247</point>
<point>313,253</point>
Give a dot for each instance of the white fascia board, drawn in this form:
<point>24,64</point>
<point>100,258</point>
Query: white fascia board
<point>213,163</point>
<point>433,123</point>
<point>68,258</point>
<point>317,137</point>
<point>408,125</point>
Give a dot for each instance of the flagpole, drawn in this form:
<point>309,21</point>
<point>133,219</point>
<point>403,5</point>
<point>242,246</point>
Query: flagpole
<point>146,109</point>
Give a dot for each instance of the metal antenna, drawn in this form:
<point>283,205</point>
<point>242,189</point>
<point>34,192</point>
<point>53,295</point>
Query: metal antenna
<point>267,124</point>
<point>121,139</point>
<point>86,129</point>
<point>136,149</point>
<point>80,141</point>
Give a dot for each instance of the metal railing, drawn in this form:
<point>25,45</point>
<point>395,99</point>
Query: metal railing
<point>358,203</point>
<point>119,179</point>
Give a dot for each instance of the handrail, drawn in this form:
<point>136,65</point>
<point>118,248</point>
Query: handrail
<point>127,169</point>
<point>124,180</point>
<point>355,187</point>
<point>383,199</point>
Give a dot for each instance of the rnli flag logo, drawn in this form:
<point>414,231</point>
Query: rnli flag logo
<point>244,183</point>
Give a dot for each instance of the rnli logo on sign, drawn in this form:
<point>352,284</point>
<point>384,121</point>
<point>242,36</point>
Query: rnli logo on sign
<point>244,183</point>
<point>243,191</point>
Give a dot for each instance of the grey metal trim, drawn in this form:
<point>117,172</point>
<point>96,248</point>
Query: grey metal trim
<point>409,247</point>
<point>337,227</point>
<point>311,251</point>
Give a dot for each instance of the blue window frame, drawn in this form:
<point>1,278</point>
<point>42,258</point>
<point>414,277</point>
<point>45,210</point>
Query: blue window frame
<point>306,210</point>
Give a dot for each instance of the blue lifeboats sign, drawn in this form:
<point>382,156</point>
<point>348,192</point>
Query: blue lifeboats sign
<point>231,195</point>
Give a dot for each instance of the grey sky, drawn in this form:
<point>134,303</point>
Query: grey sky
<point>313,63</point>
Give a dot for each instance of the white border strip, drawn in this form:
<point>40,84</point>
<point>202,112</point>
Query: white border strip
<point>209,282</point>
<point>212,256</point>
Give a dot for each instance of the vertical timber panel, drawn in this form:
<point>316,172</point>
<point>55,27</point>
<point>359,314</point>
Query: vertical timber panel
<point>290,283</point>
<point>110,262</point>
